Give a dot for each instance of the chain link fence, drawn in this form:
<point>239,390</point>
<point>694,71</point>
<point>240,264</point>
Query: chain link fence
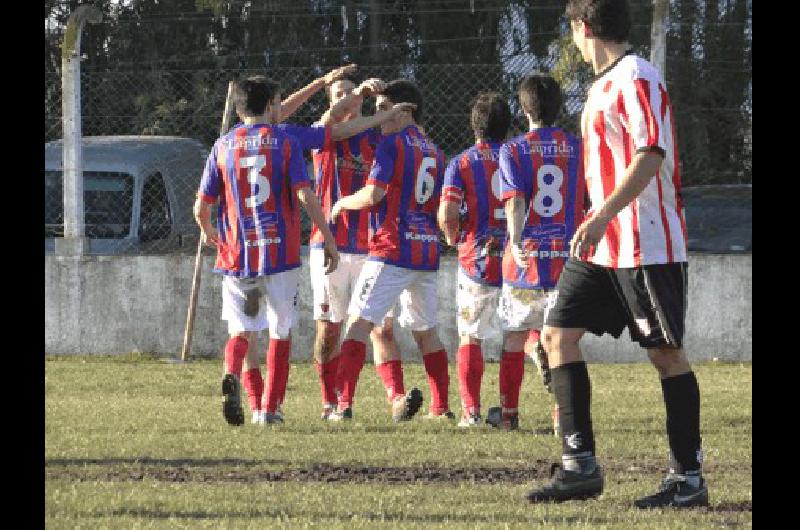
<point>153,99</point>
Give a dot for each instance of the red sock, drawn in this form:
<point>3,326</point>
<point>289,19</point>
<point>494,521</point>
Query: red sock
<point>327,379</point>
<point>512,368</point>
<point>470,372</point>
<point>277,373</point>
<point>391,373</point>
<point>438,380</point>
<point>235,351</point>
<point>352,360</point>
<point>254,384</point>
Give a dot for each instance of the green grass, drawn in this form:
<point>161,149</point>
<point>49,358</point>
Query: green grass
<point>140,443</point>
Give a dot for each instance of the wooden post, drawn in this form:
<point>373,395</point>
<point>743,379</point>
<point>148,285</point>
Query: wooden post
<point>198,259</point>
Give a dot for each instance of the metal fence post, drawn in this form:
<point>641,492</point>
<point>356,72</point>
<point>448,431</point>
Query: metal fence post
<point>74,242</point>
<point>658,37</point>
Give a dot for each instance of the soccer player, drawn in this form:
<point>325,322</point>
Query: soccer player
<point>257,173</point>
<point>543,192</point>
<point>340,169</point>
<point>316,137</point>
<point>472,184</point>
<point>628,260</point>
<point>402,191</point>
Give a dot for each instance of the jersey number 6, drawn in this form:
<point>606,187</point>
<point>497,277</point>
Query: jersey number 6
<point>256,179</point>
<point>423,188</point>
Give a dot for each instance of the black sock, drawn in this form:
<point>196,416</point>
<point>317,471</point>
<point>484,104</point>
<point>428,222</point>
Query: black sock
<point>573,394</point>
<point>682,400</point>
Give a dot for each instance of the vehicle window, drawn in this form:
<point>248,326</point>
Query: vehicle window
<point>156,219</point>
<point>108,202</point>
<point>53,204</point>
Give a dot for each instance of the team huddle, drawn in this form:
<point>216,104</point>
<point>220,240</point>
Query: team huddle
<point>537,261</point>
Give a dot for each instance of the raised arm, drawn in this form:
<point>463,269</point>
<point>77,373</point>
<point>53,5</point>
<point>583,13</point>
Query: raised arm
<point>342,130</point>
<point>290,105</point>
<point>352,101</point>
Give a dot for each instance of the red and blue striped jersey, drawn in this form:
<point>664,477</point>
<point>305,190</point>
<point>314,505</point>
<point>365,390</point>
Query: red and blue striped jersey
<point>472,180</point>
<point>340,169</point>
<point>255,171</point>
<point>545,167</point>
<point>410,167</point>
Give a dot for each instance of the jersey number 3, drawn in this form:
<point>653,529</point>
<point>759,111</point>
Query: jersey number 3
<point>257,181</point>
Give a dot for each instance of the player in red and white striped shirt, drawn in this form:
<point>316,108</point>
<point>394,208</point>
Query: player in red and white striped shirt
<point>628,259</point>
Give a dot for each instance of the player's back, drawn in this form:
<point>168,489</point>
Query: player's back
<point>261,168</point>
<point>545,166</point>
<point>410,167</point>
<point>473,179</point>
<point>340,169</point>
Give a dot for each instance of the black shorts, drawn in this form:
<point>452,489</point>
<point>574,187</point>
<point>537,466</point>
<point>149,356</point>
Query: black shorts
<point>650,300</point>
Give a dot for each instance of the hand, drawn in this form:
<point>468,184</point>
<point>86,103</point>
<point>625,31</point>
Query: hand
<point>210,237</point>
<point>331,257</point>
<point>520,255</point>
<point>338,73</point>
<point>370,87</point>
<point>399,108</point>
<point>588,234</point>
<point>335,211</point>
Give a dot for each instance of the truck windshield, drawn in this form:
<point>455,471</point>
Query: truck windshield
<point>107,202</point>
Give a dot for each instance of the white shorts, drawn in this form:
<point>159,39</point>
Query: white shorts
<point>273,303</point>
<point>332,292</point>
<point>378,287</point>
<point>523,309</point>
<point>476,306</point>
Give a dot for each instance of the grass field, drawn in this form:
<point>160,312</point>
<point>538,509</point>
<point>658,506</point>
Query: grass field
<point>140,443</point>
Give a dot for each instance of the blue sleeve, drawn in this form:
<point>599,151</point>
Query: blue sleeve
<point>512,181</point>
<point>383,166</point>
<point>452,175</point>
<point>298,173</point>
<point>308,137</point>
<point>211,182</point>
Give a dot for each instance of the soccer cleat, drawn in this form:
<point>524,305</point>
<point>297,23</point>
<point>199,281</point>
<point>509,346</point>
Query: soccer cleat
<point>675,491</point>
<point>404,407</point>
<point>568,485</point>
<point>502,420</point>
<point>271,418</point>
<point>346,414</point>
<point>471,420</point>
<point>327,410</point>
<point>446,415</point>
<point>232,405</point>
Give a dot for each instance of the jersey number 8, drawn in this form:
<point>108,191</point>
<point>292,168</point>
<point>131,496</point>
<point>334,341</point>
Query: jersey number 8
<point>548,200</point>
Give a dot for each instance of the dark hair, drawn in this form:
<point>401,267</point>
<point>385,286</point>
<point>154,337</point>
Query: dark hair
<point>491,116</point>
<point>344,78</point>
<point>404,91</point>
<point>540,97</point>
<point>608,19</point>
<point>252,95</point>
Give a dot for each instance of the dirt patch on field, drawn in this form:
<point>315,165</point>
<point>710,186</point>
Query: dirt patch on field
<point>317,473</point>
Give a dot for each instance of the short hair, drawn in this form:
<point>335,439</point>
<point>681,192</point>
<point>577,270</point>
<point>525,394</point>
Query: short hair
<point>608,19</point>
<point>350,78</point>
<point>540,97</point>
<point>251,96</point>
<point>491,116</point>
<point>404,91</point>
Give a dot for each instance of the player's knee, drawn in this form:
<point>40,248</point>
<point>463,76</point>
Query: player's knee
<point>668,361</point>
